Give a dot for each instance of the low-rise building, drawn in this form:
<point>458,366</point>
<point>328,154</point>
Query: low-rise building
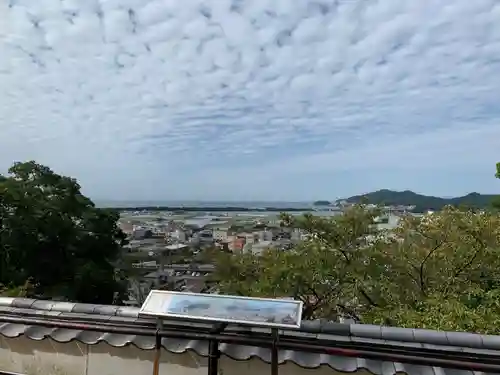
<point>237,244</point>
<point>265,235</point>
<point>221,233</point>
<point>249,237</point>
<point>178,235</point>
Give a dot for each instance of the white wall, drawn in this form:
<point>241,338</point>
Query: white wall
<point>47,357</point>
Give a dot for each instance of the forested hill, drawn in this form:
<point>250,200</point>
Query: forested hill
<point>422,202</point>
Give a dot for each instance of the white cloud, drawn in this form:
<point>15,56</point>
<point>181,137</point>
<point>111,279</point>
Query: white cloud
<point>123,92</point>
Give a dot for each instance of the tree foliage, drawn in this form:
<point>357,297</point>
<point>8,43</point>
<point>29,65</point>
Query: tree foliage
<point>496,201</point>
<point>54,236</point>
<point>442,272</point>
<point>437,271</point>
<point>323,271</point>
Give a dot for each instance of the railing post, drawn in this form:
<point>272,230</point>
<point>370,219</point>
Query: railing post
<point>156,363</point>
<point>213,357</point>
<point>213,349</point>
<point>274,352</point>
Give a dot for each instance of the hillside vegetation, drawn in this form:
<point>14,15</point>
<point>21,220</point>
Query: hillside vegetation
<point>422,202</point>
<point>439,271</point>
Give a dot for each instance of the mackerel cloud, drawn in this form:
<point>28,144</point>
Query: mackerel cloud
<point>135,92</point>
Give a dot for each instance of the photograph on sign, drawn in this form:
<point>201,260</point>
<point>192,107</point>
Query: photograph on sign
<point>282,313</point>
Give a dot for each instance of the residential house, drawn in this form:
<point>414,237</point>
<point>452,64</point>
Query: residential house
<point>249,237</point>
<point>297,235</point>
<point>265,235</point>
<point>237,244</point>
<point>221,233</point>
<point>178,235</point>
<point>141,233</point>
<point>388,222</point>
<point>258,248</point>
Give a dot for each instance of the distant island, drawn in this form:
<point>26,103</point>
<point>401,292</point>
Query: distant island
<point>322,203</point>
<point>421,202</point>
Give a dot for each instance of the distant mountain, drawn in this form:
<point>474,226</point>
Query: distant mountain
<point>422,202</point>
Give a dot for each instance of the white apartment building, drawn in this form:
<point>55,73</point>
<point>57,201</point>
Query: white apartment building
<point>178,235</point>
<point>250,238</point>
<point>258,248</point>
<point>221,233</point>
<point>265,235</point>
<point>296,235</point>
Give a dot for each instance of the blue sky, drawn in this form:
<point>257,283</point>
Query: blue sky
<point>253,100</point>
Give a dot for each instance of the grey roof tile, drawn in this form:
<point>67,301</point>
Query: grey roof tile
<point>125,320</point>
<point>6,301</point>
<point>38,333</point>
<point>43,305</point>
<point>470,340</point>
<point>12,330</point>
<point>63,306</point>
<point>491,342</point>
<point>388,368</point>
<point>181,345</point>
<point>322,326</point>
<point>477,351</point>
<point>106,310</point>
<point>434,346</point>
<point>129,312</point>
<point>335,328</point>
<point>336,333</point>
<point>83,308</point>
<point>300,334</point>
<point>421,370</point>
<point>21,311</point>
<point>67,335</point>
<point>408,344</point>
<point>335,338</point>
<point>430,337</point>
<point>83,317</point>
<point>311,325</point>
<point>6,309</point>
<point>51,314</point>
<point>24,303</point>
<point>366,330</point>
<point>142,321</point>
<point>397,334</point>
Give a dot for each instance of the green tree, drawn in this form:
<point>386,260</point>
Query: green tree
<point>54,236</point>
<point>496,201</point>
<point>440,272</point>
<point>441,265</point>
<point>324,271</point>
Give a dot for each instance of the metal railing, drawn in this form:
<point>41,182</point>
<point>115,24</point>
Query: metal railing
<point>275,342</point>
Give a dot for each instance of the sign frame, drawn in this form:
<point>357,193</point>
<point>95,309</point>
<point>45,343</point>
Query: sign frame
<point>160,309</point>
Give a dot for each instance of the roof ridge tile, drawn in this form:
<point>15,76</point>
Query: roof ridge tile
<point>26,306</point>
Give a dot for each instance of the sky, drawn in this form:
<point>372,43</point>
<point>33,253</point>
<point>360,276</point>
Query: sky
<point>277,100</point>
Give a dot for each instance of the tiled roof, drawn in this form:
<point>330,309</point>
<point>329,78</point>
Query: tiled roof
<point>129,317</point>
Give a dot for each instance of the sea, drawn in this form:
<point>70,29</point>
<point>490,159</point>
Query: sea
<point>248,206</point>
<point>202,204</point>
